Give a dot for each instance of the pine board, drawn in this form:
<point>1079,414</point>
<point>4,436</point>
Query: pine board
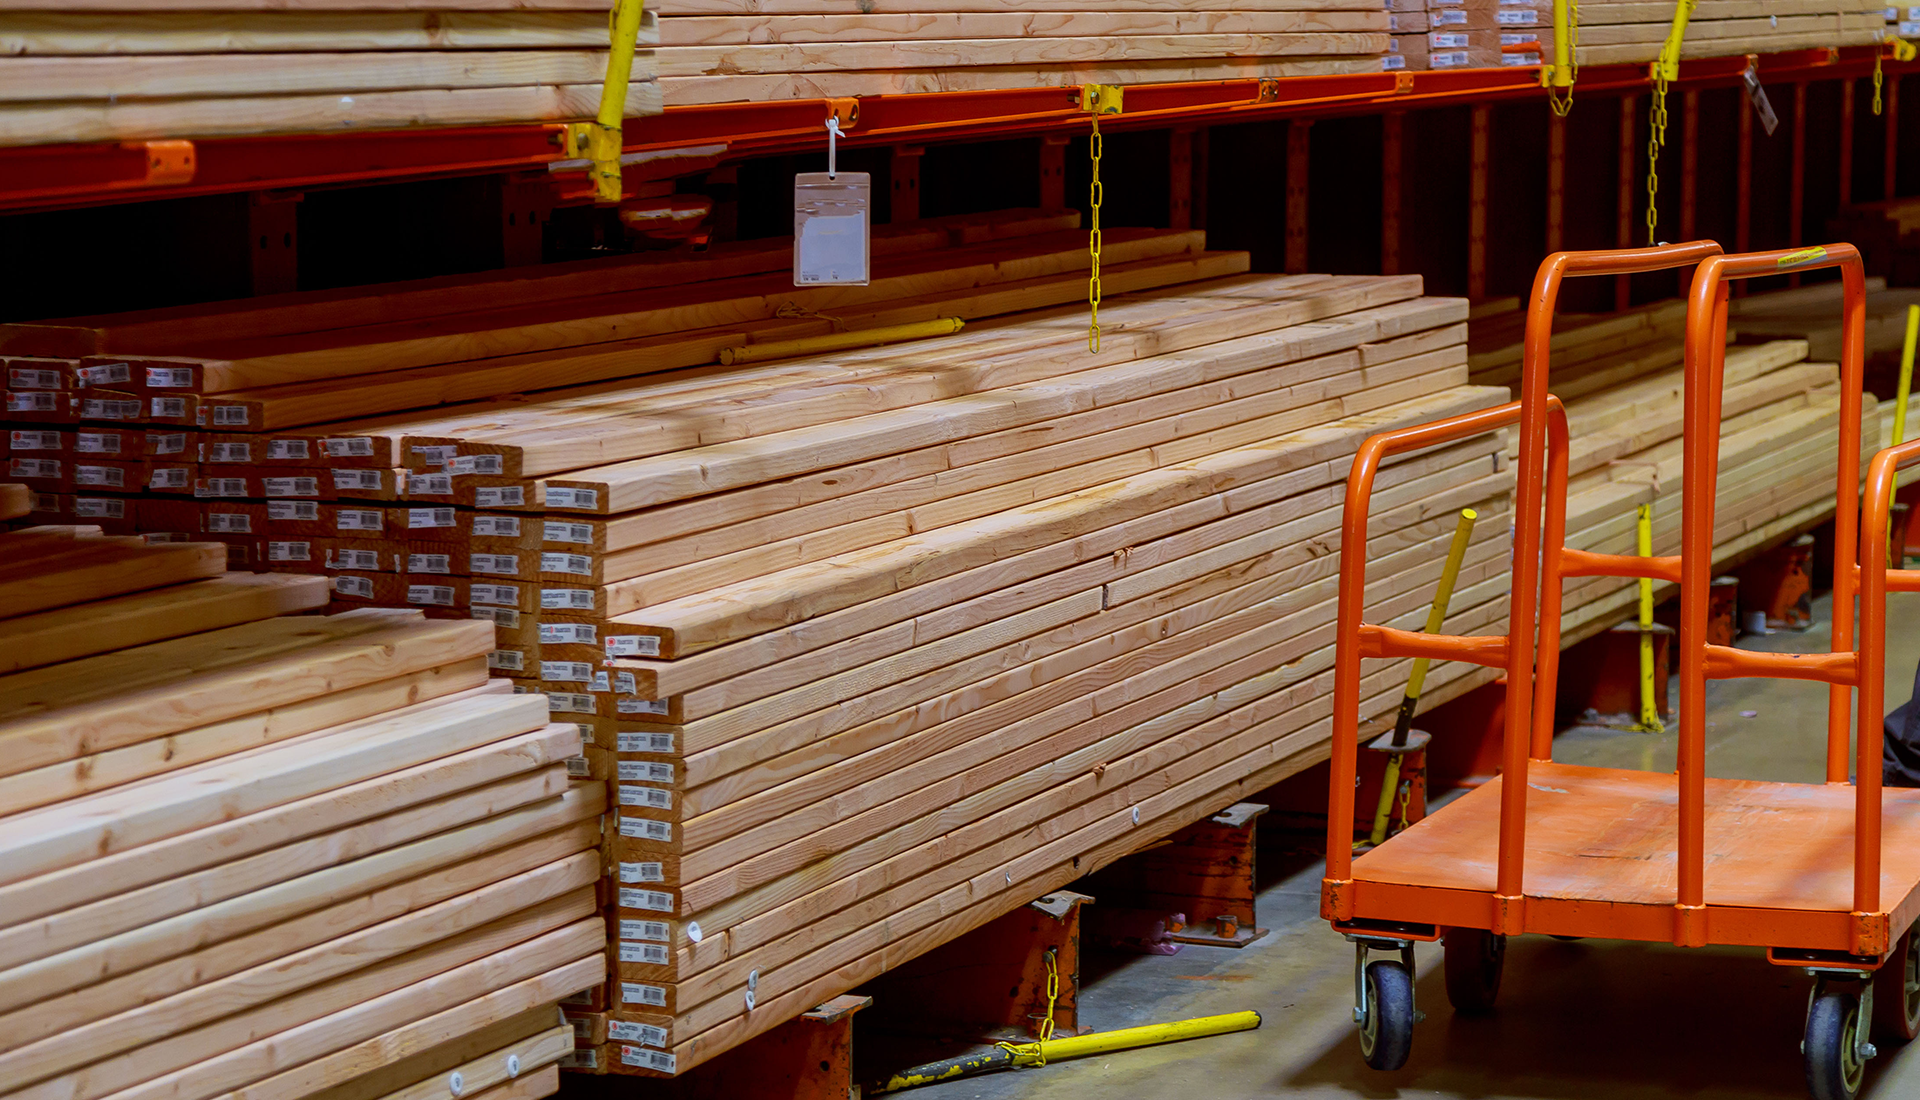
<point>65,634</point>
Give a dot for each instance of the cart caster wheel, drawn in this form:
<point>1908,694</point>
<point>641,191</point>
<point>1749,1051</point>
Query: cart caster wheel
<point>1386,1028</point>
<point>1474,959</point>
<point>1835,1061</point>
<point>1896,992</point>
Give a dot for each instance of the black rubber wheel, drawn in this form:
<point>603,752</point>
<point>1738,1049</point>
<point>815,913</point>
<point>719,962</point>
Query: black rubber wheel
<point>1896,993</point>
<point>1386,1032</point>
<point>1474,958</point>
<point>1833,1070</point>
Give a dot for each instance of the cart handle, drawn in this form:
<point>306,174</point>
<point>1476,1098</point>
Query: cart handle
<point>1876,578</point>
<point>1705,380</point>
<point>1355,639</point>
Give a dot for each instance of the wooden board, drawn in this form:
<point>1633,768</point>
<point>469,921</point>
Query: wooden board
<point>50,637</point>
<point>15,500</point>
<point>91,569</point>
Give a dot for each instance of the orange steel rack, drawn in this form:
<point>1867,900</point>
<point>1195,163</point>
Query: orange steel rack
<point>38,177</point>
<point>1822,876</point>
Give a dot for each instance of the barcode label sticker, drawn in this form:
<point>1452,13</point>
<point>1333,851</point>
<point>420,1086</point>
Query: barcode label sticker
<point>578,768</point>
<point>220,487</point>
<point>361,587</point>
<point>30,378</point>
<point>430,563</point>
<point>657,1060</point>
<point>170,477</point>
<point>288,449</point>
<point>429,517</point>
<point>646,828</point>
<point>499,527</point>
<point>300,511</point>
<point>172,443</point>
<point>169,378</point>
<point>510,659</point>
<point>502,565</point>
<point>230,416</point>
<point>645,742</point>
<point>35,467</point>
<point>345,558</point>
<point>437,595</point>
<point>499,496</point>
<point>291,486</point>
<point>87,443</point>
<point>350,446</point>
<point>567,633</point>
<point>566,671</point>
<point>566,599</point>
<point>1522,18</point>
<point>569,532</point>
<point>633,645</point>
<point>229,452</point>
<point>505,595</point>
<point>171,408</point>
<point>572,498</point>
<point>570,702</point>
<point>643,706</point>
<point>658,798</point>
<point>362,480</point>
<point>105,374</point>
<point>645,771</point>
<point>653,954</point>
<point>357,519</point>
<point>499,616</point>
<point>48,441</point>
<point>486,465</point>
<point>578,564</point>
<point>435,456</point>
<point>99,508</point>
<point>99,408</point>
<point>630,1031</point>
<point>433,485</point>
<point>643,872</point>
<point>230,523</point>
<point>289,551</point>
<point>655,900</point>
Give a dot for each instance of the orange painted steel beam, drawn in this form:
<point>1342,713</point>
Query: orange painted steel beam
<point>1586,563</point>
<point>1386,641</point>
<point>65,175</point>
<point>1727,663</point>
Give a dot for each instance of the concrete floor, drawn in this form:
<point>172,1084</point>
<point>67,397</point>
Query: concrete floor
<point>1576,1020</point>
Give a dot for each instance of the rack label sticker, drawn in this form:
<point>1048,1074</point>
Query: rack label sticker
<point>438,595</point>
<point>87,443</point>
<point>503,565</point>
<point>230,523</point>
<point>354,586</point>
<point>646,828</point>
<point>570,702</point>
<point>229,452</point>
<point>287,450</point>
<point>504,527</point>
<point>501,594</point>
<point>429,517</point>
<point>357,519</point>
<point>569,532</point>
<point>658,798</point>
<point>510,659</point>
<point>643,872</point>
<point>644,742</point>
<point>289,551</point>
<point>499,496</point>
<point>567,633</point>
<point>633,645</point>
<point>499,616</point>
<point>362,480</point>
<point>350,446</point>
<point>566,599</point>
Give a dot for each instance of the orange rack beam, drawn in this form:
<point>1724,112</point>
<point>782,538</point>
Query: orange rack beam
<point>77,175</point>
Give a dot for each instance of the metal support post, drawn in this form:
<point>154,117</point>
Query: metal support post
<point>997,977</point>
<point>1778,585</point>
<point>1391,129</point>
<point>1477,204</point>
<point>273,239</point>
<point>1556,181</point>
<point>1180,179</point>
<point>1623,204</point>
<point>904,170</point>
<point>1204,872</point>
<point>1797,184</point>
<point>1053,172</point>
<point>1299,132</point>
<point>1743,195</point>
<point>1888,187</point>
<point>1689,170</point>
<point>1846,141</point>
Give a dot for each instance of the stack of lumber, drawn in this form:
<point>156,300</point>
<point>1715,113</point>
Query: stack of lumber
<point>1622,382</point>
<point>1631,31</point>
<point>883,675</point>
<point>876,645</point>
<point>1812,313</point>
<point>164,421</point>
<point>1470,34</point>
<point>714,51</point>
<point>1887,233</point>
<point>92,70</point>
<point>278,857</point>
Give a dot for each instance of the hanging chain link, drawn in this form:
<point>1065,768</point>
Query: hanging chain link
<point>1656,139</point>
<point>1095,193</point>
<point>1563,104</point>
<point>1877,78</point>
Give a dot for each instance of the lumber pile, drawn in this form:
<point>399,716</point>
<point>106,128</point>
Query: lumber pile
<point>80,71</point>
<point>714,51</point>
<point>1632,31</point>
<point>1887,233</point>
<point>869,646</point>
<point>1620,376</point>
<point>1469,34</point>
<point>274,856</point>
<point>1812,313</point>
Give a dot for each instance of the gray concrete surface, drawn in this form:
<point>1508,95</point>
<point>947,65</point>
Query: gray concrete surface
<point>1576,1020</point>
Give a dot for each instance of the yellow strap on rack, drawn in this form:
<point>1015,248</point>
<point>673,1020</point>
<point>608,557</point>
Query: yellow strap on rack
<point>602,137</point>
<point>1559,76</point>
<point>1096,100</point>
<point>1665,69</point>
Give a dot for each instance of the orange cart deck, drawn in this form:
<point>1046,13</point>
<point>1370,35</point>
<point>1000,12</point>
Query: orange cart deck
<point>1600,859</point>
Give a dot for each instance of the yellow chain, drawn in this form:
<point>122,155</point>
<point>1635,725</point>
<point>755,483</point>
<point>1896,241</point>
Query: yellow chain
<point>1563,105</point>
<point>1876,84</point>
<point>1656,139</point>
<point>1095,194</point>
<point>1406,802</point>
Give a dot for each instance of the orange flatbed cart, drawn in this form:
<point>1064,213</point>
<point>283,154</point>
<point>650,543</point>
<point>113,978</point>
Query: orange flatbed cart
<point>1823,876</point>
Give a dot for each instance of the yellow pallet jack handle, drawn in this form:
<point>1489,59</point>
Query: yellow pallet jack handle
<point>1649,708</point>
<point>600,141</point>
<point>1011,1055</point>
<point>1417,679</point>
<point>1896,559</point>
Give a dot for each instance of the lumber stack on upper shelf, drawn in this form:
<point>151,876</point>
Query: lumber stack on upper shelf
<point>869,646</point>
<point>76,72</point>
<point>1620,376</point>
<point>276,856</point>
<point>714,51</point>
<point>1466,34</point>
<point>1626,31</point>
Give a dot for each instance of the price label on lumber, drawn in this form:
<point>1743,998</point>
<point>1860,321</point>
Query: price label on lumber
<point>633,645</point>
<point>646,771</point>
<point>658,798</point>
<point>654,954</point>
<point>569,532</point>
<point>646,828</point>
<point>499,527</point>
<point>291,450</point>
<point>628,741</point>
<point>830,228</point>
<point>658,1061</point>
<point>628,1031</point>
<point>501,595</point>
<point>499,496</point>
<point>567,634</point>
<point>502,565</point>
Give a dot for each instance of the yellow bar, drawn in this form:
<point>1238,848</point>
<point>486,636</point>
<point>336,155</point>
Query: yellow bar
<point>1906,376</point>
<point>840,341</point>
<point>1649,709</point>
<point>603,138</point>
<point>1668,65</point>
<point>1127,1038</point>
<point>1562,49</point>
<point>1437,614</point>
